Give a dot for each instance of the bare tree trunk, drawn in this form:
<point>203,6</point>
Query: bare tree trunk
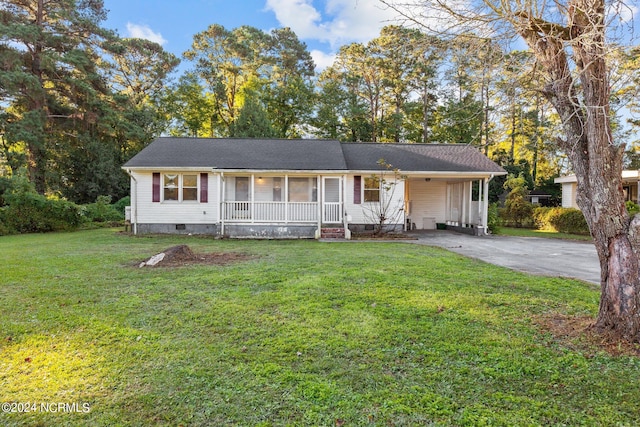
<point>38,105</point>
<point>596,160</point>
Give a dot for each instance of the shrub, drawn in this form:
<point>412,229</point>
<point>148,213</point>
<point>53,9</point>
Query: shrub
<point>493,218</point>
<point>632,208</point>
<point>34,213</point>
<point>563,220</point>
<point>102,211</point>
<point>121,204</point>
<point>518,210</point>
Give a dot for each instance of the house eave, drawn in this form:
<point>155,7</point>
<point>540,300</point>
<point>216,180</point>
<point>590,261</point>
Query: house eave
<point>412,174</point>
<point>432,174</point>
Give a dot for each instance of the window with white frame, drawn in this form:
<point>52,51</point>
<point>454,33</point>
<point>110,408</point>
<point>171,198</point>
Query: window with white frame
<point>180,187</point>
<point>372,189</point>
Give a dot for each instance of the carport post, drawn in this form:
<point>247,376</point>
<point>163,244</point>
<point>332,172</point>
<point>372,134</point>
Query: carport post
<point>485,204</point>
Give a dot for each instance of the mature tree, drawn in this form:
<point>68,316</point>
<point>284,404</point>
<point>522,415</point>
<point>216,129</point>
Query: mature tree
<point>139,71</point>
<point>48,72</point>
<point>408,60</point>
<point>226,60</point>
<point>331,98</point>
<point>341,112</point>
<point>191,108</point>
<point>361,72</point>
<point>625,89</point>
<point>384,80</point>
<point>140,68</point>
<point>252,121</point>
<point>458,121</point>
<point>569,43</point>
<point>275,67</point>
<point>288,89</point>
<point>468,78</point>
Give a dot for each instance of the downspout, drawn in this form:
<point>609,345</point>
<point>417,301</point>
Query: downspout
<point>134,216</point>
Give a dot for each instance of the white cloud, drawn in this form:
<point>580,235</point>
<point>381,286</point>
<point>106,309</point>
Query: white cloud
<point>322,59</point>
<point>340,22</point>
<point>144,32</point>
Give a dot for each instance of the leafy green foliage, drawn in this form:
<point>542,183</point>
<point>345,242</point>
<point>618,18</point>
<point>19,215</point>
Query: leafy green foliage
<point>518,210</point>
<point>632,208</point>
<point>252,122</point>
<point>103,211</point>
<point>78,101</point>
<point>275,67</point>
<point>564,220</point>
<point>34,213</point>
<point>493,218</point>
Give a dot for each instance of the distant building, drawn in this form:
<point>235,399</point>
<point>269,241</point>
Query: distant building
<point>630,180</point>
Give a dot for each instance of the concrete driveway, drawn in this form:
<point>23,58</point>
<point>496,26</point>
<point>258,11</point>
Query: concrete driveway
<point>548,257</point>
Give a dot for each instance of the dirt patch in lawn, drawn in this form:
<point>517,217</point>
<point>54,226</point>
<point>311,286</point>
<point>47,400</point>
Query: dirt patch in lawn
<point>182,255</point>
<point>579,332</point>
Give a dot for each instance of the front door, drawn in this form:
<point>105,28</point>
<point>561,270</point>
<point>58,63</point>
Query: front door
<point>332,200</point>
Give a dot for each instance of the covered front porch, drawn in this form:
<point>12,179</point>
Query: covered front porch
<point>281,204</point>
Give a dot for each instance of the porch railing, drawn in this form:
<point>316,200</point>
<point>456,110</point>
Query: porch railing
<point>270,211</point>
<point>332,212</point>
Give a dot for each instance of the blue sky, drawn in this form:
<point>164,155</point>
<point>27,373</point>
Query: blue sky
<point>323,25</point>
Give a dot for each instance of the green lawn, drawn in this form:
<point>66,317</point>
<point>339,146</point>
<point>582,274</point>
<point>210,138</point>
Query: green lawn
<point>305,333</point>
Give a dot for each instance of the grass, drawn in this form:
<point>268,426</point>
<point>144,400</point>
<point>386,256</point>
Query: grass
<point>548,234</point>
<point>305,333</point>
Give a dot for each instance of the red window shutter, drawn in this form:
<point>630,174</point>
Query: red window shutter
<point>357,189</point>
<point>204,187</point>
<point>156,187</point>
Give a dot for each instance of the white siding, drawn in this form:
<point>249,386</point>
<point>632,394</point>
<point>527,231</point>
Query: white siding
<point>569,195</point>
<point>427,202</point>
<point>149,212</point>
<point>362,213</point>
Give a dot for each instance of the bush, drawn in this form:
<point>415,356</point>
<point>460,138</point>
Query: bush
<point>562,220</point>
<point>632,208</point>
<point>121,204</point>
<point>493,218</point>
<point>34,213</point>
<point>102,211</point>
<point>518,210</point>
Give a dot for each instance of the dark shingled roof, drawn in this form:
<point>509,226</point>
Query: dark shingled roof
<point>418,157</point>
<point>309,154</point>
<point>232,153</point>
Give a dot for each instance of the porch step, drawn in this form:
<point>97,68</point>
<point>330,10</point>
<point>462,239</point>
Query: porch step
<point>332,233</point>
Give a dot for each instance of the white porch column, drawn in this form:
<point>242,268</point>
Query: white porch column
<point>252,191</point>
<point>320,201</point>
<point>222,194</point>
<point>448,204</point>
<point>469,204</point>
<point>485,206</point>
<point>480,201</point>
<point>345,219</point>
<point>464,202</point>
<point>286,198</point>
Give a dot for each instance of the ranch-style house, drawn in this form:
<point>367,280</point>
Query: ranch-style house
<point>306,188</point>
